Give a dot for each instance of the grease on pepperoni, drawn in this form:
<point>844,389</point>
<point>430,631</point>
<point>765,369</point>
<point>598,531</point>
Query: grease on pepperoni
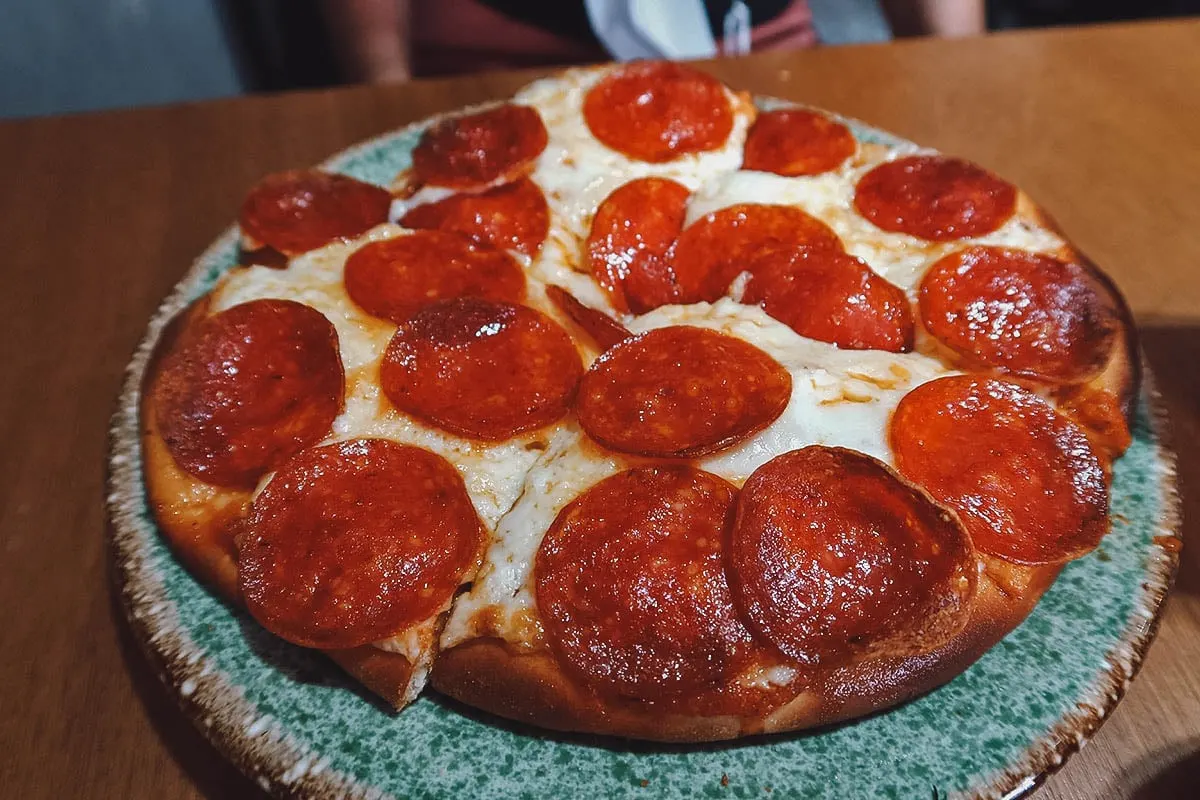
<point>250,387</point>
<point>681,391</point>
<point>833,297</point>
<point>794,141</point>
<point>357,541</point>
<point>716,248</point>
<point>631,587</point>
<point>935,198</point>
<point>1023,478</point>
<point>510,217</point>
<point>294,212</point>
<point>394,278</point>
<point>658,111</point>
<point>474,150</point>
<point>603,330</point>
<point>1027,313</point>
<point>481,369</point>
<point>833,558</point>
<point>630,241</point>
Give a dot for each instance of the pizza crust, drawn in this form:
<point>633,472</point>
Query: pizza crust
<point>388,675</point>
<point>532,688</point>
<point>197,519</point>
<point>1122,375</point>
<point>200,523</point>
<point>527,684</point>
<point>492,675</point>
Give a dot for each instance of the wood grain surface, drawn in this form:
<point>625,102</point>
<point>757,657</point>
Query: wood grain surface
<point>101,214</point>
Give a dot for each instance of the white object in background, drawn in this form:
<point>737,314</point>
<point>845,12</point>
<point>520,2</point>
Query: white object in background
<point>631,29</point>
<point>736,41</point>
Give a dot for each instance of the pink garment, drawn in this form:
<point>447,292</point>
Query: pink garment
<point>460,36</point>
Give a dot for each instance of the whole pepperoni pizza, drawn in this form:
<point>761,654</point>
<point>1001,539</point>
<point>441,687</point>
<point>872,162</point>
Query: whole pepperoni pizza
<point>631,409</point>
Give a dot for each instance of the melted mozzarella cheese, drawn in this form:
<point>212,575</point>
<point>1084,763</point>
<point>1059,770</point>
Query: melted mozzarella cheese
<point>423,196</point>
<point>898,257</point>
<point>577,171</point>
<point>417,645</point>
<point>412,642</point>
<point>764,678</point>
<point>569,466</point>
<point>840,398</point>
<point>492,471</point>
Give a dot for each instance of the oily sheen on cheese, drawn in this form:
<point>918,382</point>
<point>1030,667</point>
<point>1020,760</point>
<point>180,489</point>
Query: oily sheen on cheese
<point>673,416</point>
<point>576,172</point>
<point>839,398</point>
<point>900,258</point>
<point>492,471</point>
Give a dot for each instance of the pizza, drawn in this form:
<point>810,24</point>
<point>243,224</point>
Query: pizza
<point>630,408</point>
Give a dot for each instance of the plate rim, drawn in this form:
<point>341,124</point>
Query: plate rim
<point>283,766</point>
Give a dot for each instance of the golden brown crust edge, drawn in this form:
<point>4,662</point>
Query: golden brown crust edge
<point>1122,376</point>
<point>197,520</point>
<point>532,688</point>
<point>388,675</point>
<point>201,531</point>
<point>488,674</point>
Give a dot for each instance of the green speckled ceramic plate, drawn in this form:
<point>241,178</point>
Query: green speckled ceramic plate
<point>295,724</point>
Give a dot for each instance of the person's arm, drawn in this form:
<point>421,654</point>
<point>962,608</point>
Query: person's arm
<point>370,38</point>
<point>948,18</point>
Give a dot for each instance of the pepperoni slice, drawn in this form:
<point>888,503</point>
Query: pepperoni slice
<point>681,391</point>
<point>394,278</point>
<point>475,150</point>
<point>630,239</point>
<point>603,329</point>
<point>833,558</point>
<point>252,386</point>
<point>716,248</point>
<point>509,217</point>
<point>631,585</point>
<point>935,198</point>
<point>1024,479</point>
<point>1027,313</point>
<point>481,369</point>
<point>355,542</point>
<point>657,111</point>
<point>834,297</point>
<point>795,141</point>
<point>301,210</point>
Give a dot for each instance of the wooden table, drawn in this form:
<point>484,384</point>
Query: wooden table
<point>99,215</point>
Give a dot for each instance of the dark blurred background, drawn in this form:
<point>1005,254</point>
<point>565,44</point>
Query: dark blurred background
<point>59,56</point>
